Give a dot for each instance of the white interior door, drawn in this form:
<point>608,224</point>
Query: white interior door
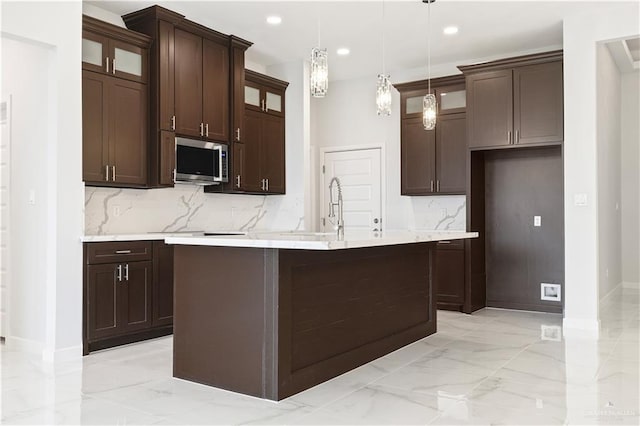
<point>5,139</point>
<point>359,174</point>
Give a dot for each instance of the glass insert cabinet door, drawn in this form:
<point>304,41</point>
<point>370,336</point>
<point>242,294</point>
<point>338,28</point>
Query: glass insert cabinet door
<point>113,57</point>
<point>452,100</point>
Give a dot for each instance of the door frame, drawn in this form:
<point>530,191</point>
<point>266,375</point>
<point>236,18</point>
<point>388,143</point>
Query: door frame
<point>350,148</point>
<point>5,327</point>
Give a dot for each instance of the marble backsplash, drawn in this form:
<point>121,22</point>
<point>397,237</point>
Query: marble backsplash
<point>186,208</point>
<point>444,212</point>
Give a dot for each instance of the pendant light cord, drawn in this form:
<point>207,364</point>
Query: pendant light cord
<point>383,59</point>
<point>429,44</point>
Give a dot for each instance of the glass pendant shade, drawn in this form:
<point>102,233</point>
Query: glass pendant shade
<point>319,72</point>
<point>429,112</point>
<point>383,95</point>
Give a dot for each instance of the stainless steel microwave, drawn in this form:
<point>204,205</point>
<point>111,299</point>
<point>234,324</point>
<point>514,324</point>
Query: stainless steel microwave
<point>201,162</point>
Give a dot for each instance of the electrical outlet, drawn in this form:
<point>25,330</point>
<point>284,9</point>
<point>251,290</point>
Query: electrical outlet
<point>551,292</point>
<point>550,332</point>
<point>580,200</point>
<point>537,221</point>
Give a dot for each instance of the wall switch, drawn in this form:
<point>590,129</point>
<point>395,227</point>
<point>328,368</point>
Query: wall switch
<point>32,197</point>
<point>580,200</point>
<point>537,221</point>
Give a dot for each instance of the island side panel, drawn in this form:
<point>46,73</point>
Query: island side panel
<point>341,309</point>
<point>225,304</point>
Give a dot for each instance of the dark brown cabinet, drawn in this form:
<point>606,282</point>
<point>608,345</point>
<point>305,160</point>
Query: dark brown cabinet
<point>114,124</point>
<point>450,274</point>
<point>433,162</point>
<point>198,80</point>
<point>202,76</point>
<point>162,283</point>
<point>259,154</point>
<point>521,104</point>
<point>128,292</point>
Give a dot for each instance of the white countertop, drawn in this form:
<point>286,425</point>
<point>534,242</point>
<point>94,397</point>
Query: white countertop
<point>316,240</point>
<point>136,237</point>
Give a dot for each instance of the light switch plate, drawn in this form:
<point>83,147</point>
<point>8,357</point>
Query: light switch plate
<point>580,199</point>
<point>537,221</point>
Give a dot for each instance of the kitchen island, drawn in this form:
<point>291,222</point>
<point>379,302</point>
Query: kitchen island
<point>271,314</point>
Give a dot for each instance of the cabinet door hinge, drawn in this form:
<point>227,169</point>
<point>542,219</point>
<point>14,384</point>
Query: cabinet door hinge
<point>323,223</point>
<point>323,169</point>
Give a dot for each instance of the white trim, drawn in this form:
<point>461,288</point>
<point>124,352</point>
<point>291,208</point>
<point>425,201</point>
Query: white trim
<point>24,345</point>
<point>627,284</point>
<point>5,325</point>
<point>71,353</point>
<point>606,296</point>
<point>581,328</point>
<point>348,148</point>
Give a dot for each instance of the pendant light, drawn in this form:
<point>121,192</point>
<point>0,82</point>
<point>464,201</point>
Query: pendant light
<point>383,89</point>
<point>429,106</point>
<point>319,79</point>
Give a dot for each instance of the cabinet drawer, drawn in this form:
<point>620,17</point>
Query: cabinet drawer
<point>450,245</point>
<point>118,251</point>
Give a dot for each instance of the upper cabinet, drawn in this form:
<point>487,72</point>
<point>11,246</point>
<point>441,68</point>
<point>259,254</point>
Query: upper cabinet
<point>517,101</point>
<point>197,82</point>
<point>112,50</point>
<point>259,152</point>
<point>115,106</point>
<point>202,76</point>
<point>433,162</point>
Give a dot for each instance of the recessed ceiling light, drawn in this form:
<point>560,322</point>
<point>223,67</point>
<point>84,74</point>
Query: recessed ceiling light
<point>343,51</point>
<point>274,20</point>
<point>450,30</point>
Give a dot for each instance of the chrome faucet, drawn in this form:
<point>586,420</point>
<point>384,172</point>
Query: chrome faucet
<point>332,206</point>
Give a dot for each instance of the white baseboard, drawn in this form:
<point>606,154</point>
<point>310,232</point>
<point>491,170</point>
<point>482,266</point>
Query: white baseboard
<point>38,348</point>
<point>581,328</point>
<point>606,296</point>
<point>24,345</point>
<point>628,284</point>
<point>71,353</point>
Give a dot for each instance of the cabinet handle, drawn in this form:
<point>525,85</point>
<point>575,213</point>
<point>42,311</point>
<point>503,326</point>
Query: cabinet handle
<point>107,61</point>
<point>201,129</point>
<point>263,184</point>
<point>509,136</point>
<point>123,251</point>
<point>206,130</point>
<point>126,272</point>
<point>173,122</point>
<point>113,65</point>
<point>438,185</point>
<point>106,170</point>
<point>119,269</point>
<point>238,181</point>
<point>113,173</point>
<point>444,242</point>
<point>264,107</point>
<point>238,134</point>
<point>174,175</point>
<point>517,136</point>
<point>267,184</point>
<point>431,186</point>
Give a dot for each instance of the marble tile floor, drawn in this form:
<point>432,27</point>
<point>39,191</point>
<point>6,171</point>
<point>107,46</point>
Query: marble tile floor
<point>492,367</point>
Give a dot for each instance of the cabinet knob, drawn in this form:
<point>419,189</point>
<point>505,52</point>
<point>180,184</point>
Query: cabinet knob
<point>375,220</point>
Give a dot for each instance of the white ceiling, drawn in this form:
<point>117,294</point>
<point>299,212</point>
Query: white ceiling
<point>487,29</point>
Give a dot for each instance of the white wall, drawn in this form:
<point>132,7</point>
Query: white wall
<point>630,170</point>
<point>58,26</point>
<point>608,101</point>
<point>581,32</point>
<point>25,78</point>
